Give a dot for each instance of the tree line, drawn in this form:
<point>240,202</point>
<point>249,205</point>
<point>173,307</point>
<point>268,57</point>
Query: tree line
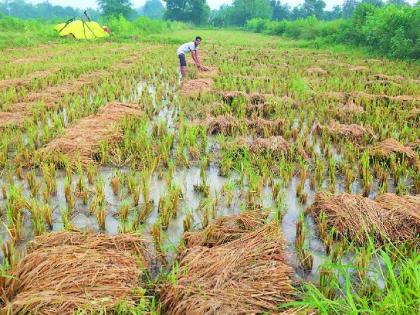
<point>194,11</point>
<point>153,9</point>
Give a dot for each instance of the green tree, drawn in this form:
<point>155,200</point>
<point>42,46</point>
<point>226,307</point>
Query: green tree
<point>280,11</point>
<point>348,8</point>
<point>313,7</point>
<point>115,7</point>
<point>244,10</point>
<point>195,11</point>
<point>153,9</point>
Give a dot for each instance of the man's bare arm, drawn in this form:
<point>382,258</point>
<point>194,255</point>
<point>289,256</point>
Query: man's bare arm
<point>197,61</point>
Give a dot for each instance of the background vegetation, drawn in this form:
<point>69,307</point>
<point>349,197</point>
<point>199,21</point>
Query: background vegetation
<point>387,29</point>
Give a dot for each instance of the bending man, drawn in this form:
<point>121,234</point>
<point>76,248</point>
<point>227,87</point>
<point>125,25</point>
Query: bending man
<point>190,47</point>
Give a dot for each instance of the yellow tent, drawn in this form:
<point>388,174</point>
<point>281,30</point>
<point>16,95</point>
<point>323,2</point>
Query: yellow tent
<point>81,29</point>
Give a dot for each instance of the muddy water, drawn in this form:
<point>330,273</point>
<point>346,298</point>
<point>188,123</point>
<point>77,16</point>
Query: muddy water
<point>185,178</point>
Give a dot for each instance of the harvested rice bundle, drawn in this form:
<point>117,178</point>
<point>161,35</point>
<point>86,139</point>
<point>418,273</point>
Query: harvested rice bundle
<point>402,216</point>
<point>208,72</point>
<point>12,119</point>
<point>249,275</point>
<point>227,125</point>
<point>265,127</point>
<point>353,131</point>
<point>353,216</point>
<point>358,68</point>
<point>226,229</point>
<point>275,145</point>
<point>414,114</point>
<point>82,140</point>
<point>316,70</point>
<point>229,96</point>
<point>195,87</point>
<point>350,108</point>
<point>388,218</point>
<point>389,146</point>
<point>256,98</point>
<point>65,277</point>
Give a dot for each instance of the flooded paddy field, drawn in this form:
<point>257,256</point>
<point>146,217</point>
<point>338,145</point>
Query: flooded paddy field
<point>282,180</point>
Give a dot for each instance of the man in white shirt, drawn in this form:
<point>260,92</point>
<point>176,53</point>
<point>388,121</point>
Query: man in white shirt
<point>192,48</point>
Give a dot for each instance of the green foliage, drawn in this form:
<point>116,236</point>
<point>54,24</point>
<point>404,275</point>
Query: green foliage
<point>393,289</point>
<point>42,10</point>
<point>124,29</point>
<point>389,30</point>
<point>153,9</point>
<point>195,11</point>
<point>115,7</point>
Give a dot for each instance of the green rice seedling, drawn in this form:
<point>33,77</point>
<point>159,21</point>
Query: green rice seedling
<point>363,258</point>
<point>92,172</point>
<point>9,254</point>
<point>300,234</point>
<point>101,218</point>
<point>66,219</point>
<point>322,226</point>
<point>187,221</point>
<point>275,190</point>
<point>349,178</point>
<point>19,172</point>
<point>331,173</point>
<point>300,193</point>
<point>136,195</point>
<point>4,191</point>
<point>116,185</point>
<point>47,213</point>
<point>124,210</point>
<point>228,192</point>
<point>337,251</point>
<point>31,180</point>
<point>366,174</point>
<point>156,234</point>
<point>326,280</point>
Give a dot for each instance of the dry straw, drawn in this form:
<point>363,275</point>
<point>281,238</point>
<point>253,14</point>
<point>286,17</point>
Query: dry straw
<point>390,146</point>
<point>83,140</point>
<point>68,271</point>
<point>353,131</point>
<point>243,273</point>
<point>194,88</point>
<point>388,218</point>
<point>276,145</point>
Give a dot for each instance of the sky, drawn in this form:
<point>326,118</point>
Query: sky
<point>214,4</point>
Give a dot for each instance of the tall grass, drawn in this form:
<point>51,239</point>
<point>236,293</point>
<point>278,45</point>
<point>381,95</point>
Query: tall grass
<point>390,30</point>
<point>16,32</point>
<point>394,287</point>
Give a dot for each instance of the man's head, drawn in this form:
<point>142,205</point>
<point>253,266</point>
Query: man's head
<point>197,41</point>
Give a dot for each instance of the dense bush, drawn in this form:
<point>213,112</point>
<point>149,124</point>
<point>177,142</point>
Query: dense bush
<point>390,30</point>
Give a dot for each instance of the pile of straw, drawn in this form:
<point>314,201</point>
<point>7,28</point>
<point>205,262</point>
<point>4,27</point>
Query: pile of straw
<point>316,70</point>
<point>402,215</point>
<point>82,140</point>
<point>208,72</point>
<point>263,127</point>
<point>388,218</point>
<point>248,274</point>
<point>226,229</point>
<point>227,125</point>
<point>353,131</point>
<point>11,119</point>
<point>276,145</point>
<point>26,80</point>
<point>196,87</point>
<point>389,146</point>
<point>68,271</point>
<point>229,96</point>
